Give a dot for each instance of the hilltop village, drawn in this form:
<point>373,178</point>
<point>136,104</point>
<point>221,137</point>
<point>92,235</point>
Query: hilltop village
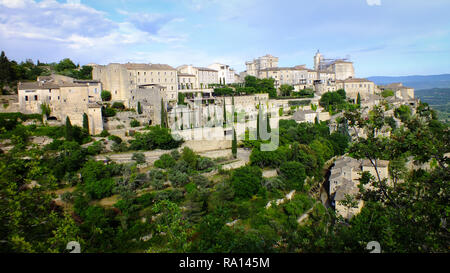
<point>150,158</point>
<point>122,99</point>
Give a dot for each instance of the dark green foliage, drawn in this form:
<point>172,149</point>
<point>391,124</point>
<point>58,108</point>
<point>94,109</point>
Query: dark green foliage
<point>223,91</point>
<point>246,181</point>
<point>139,158</point>
<point>403,113</point>
<point>68,130</point>
<point>234,144</point>
<point>65,64</point>
<point>165,161</point>
<point>104,133</point>
<point>116,139</point>
<point>85,122</point>
<point>156,138</point>
<point>118,105</point>
<point>286,89</point>
<point>139,108</point>
<point>105,95</point>
<point>255,85</point>
<point>97,179</point>
<point>294,174</point>
<point>387,93</point>
<point>135,123</point>
<point>333,100</point>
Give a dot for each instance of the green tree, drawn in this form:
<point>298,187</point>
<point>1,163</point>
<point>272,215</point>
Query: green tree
<point>139,158</point>
<point>286,89</point>
<point>139,108</point>
<point>85,122</point>
<point>358,99</point>
<point>294,173</point>
<point>246,181</point>
<point>68,130</point>
<point>234,144</point>
<point>105,95</point>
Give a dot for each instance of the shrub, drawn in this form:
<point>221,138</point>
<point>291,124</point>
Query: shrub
<point>178,178</point>
<point>118,105</point>
<point>294,174</point>
<point>108,112</point>
<point>204,163</point>
<point>96,148</point>
<point>98,189</point>
<point>139,158</point>
<point>119,147</point>
<point>246,181</point>
<point>114,138</point>
<point>175,154</point>
<point>104,133</point>
<point>165,161</point>
<point>135,123</point>
<point>105,95</point>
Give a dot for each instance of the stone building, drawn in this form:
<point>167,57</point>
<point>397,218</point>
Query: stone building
<point>342,68</point>
<point>121,79</point>
<point>203,76</point>
<point>255,66</point>
<point>353,86</point>
<point>65,99</point>
<point>225,73</point>
<point>400,91</point>
<point>344,181</point>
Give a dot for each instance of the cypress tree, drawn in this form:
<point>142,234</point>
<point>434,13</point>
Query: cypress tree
<point>224,113</point>
<point>268,122</point>
<point>86,122</point>
<point>234,144</point>
<point>257,122</point>
<point>358,99</point>
<point>163,115</point>
<point>139,108</point>
<point>68,130</point>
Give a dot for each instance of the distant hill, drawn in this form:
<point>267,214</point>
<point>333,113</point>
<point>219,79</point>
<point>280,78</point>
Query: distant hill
<point>438,99</point>
<point>416,82</point>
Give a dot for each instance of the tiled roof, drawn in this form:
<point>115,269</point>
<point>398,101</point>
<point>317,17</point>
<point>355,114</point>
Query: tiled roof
<point>135,66</point>
<point>37,85</point>
<point>205,69</point>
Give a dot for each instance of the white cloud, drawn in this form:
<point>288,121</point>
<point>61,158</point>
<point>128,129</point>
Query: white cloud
<point>373,2</point>
<point>50,29</point>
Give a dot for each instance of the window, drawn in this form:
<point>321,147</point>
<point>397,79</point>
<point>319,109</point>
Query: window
<point>35,97</point>
<point>26,98</point>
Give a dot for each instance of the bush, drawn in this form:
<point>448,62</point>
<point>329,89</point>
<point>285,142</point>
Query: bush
<point>118,105</point>
<point>157,138</point>
<point>139,158</point>
<point>387,93</point>
<point>246,181</point>
<point>104,133</point>
<point>98,189</point>
<point>119,147</point>
<point>178,178</point>
<point>135,123</point>
<point>105,95</point>
<point>96,148</point>
<point>114,138</point>
<point>204,163</point>
<point>294,174</point>
<point>175,154</point>
<point>108,112</point>
<point>165,161</point>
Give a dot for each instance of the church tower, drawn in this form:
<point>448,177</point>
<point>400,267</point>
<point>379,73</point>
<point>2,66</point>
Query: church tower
<point>317,59</point>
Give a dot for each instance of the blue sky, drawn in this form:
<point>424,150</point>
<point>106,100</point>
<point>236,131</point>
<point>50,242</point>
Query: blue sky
<point>382,37</point>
